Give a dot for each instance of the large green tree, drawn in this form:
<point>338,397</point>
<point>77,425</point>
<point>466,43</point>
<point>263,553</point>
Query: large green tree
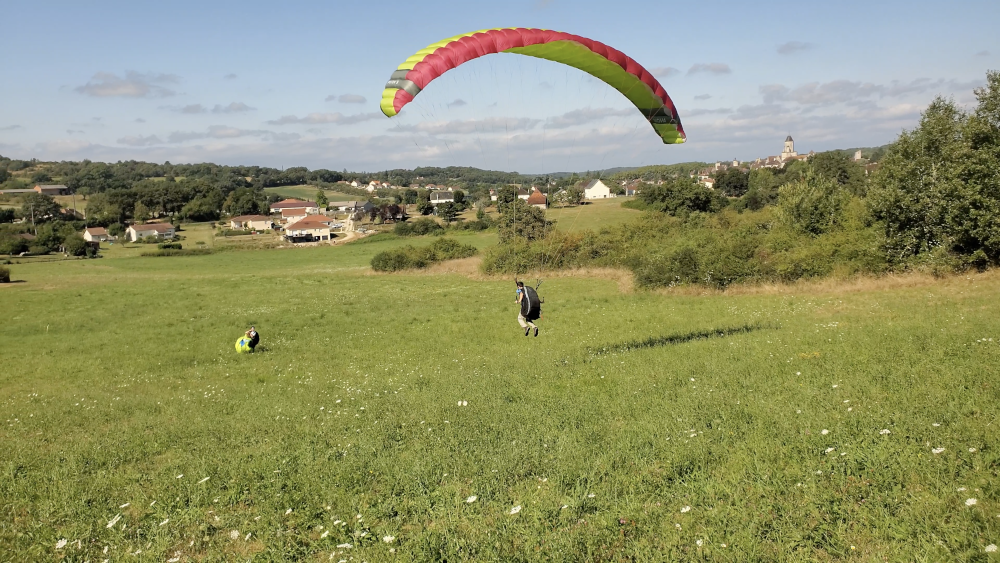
<point>939,184</point>
<point>39,207</point>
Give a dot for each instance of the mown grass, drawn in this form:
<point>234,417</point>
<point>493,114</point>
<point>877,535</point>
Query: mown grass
<point>121,393</point>
<point>592,216</point>
<point>308,193</point>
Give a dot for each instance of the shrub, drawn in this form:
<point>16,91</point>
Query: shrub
<point>75,245</point>
<point>411,257</point>
<point>178,252</point>
<point>417,227</point>
<point>4,274</point>
<point>169,246</point>
<point>38,250</point>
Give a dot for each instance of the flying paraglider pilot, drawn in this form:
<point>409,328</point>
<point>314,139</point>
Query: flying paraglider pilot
<point>531,308</point>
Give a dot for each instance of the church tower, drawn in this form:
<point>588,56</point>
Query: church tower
<point>789,149</point>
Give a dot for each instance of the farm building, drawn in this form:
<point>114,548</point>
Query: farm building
<point>158,230</point>
<point>96,234</point>
<point>596,190</point>
<point>54,189</point>
<point>250,223</point>
<point>442,197</point>
<point>538,199</point>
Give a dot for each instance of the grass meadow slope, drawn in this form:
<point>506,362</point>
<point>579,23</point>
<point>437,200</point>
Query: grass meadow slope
<point>406,418</point>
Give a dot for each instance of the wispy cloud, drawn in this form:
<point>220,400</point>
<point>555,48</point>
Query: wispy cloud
<point>140,141</point>
<point>697,112</point>
<point>586,115</point>
<point>140,120</point>
<point>794,47</point>
<point>710,68</point>
<point>488,125</point>
<point>664,71</point>
<point>457,103</point>
<point>230,76</point>
<point>233,107</point>
<point>702,97</point>
<point>351,99</point>
<point>192,108</point>
<point>132,85</point>
<point>226,132</point>
<point>983,54</point>
<point>846,91</point>
<point>319,118</point>
<point>10,127</point>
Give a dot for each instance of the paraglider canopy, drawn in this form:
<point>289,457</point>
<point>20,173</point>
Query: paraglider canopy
<point>593,57</point>
<point>531,305</point>
<point>243,345</point>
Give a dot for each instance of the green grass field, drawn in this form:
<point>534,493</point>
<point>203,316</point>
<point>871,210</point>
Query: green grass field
<point>308,193</point>
<point>406,417</point>
<point>592,216</point>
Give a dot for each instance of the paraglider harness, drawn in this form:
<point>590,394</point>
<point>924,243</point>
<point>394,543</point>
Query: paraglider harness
<point>531,304</point>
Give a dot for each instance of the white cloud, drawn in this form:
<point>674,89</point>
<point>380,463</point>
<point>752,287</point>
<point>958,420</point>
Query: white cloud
<point>351,99</point>
<point>983,54</point>
<point>318,118</point>
<point>234,107</point>
<point>140,141</point>
<point>140,120</point>
<point>133,85</point>
<point>702,97</point>
<point>794,47</point>
<point>457,103</point>
<point>711,68</point>
<point>697,112</point>
<point>485,126</point>
<point>230,76</point>
<point>846,91</point>
<point>664,71</point>
<point>193,108</point>
<point>226,132</point>
<point>586,115</point>
<point>10,128</point>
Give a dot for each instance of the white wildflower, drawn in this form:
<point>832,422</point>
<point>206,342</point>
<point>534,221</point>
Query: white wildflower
<point>471,499</point>
<point>591,495</point>
<point>972,450</point>
<point>113,521</point>
<point>61,544</point>
<point>516,509</point>
<point>126,505</point>
<point>970,502</point>
<point>828,450</point>
<point>234,535</point>
<point>991,548</point>
<point>936,451</point>
<point>686,509</point>
<point>698,543</point>
<point>247,538</point>
<point>388,539</point>
<point>722,545</point>
<point>164,523</point>
<point>936,424</point>
<point>344,545</point>
<point>824,432</point>
<point>326,533</point>
<point>884,431</point>
<point>181,475</point>
<point>287,512</point>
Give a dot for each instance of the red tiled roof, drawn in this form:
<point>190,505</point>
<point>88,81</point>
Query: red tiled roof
<point>244,218</point>
<point>537,198</point>
<point>96,231</point>
<point>308,223</point>
<point>292,212</point>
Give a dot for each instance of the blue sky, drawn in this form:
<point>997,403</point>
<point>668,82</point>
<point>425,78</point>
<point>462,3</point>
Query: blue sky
<point>298,83</point>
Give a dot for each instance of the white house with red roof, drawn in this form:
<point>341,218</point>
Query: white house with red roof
<point>309,229</point>
<point>96,234</point>
<point>250,223</point>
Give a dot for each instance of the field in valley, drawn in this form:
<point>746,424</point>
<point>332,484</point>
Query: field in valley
<point>406,417</point>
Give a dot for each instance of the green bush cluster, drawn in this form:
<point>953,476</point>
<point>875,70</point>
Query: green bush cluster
<point>178,252</point>
<point>4,274</point>
<point>169,246</point>
<point>417,227</point>
<point>411,257</point>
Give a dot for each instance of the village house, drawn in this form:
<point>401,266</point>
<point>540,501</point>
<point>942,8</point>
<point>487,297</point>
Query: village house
<point>307,207</point>
<point>158,230</point>
<point>309,229</point>
<point>292,215</point>
<point>596,189</point>
<point>709,183</point>
<point>632,188</point>
<point>350,206</point>
<point>442,197</point>
<point>493,195</point>
<point>538,199</point>
<point>250,223</point>
<point>96,234</point>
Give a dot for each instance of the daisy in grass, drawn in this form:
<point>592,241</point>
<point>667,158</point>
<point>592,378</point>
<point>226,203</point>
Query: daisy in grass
<point>686,509</point>
<point>884,431</point>
<point>471,499</point>
<point>970,502</point>
<point>234,535</point>
<point>992,548</point>
<point>516,509</point>
<point>61,544</point>
<point>936,451</point>
<point>824,431</point>
<point>388,539</point>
